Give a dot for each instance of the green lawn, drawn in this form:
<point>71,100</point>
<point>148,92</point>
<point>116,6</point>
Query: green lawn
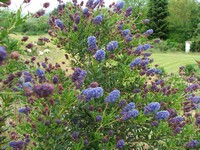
<point>55,55</point>
<point>172,61</point>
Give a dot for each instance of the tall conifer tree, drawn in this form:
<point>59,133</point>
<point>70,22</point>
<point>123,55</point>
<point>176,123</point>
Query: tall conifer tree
<point>158,13</point>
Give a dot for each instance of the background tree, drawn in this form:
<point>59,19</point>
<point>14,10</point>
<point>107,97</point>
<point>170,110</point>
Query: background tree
<point>184,17</point>
<point>158,13</point>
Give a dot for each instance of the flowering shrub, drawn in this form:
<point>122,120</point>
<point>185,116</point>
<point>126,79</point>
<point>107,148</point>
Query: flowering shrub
<point>114,99</point>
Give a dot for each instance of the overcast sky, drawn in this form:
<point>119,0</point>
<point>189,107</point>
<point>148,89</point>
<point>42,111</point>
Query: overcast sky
<point>37,4</point>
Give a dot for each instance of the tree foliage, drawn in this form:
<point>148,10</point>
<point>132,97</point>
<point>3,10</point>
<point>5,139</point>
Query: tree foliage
<point>183,19</point>
<point>158,12</point>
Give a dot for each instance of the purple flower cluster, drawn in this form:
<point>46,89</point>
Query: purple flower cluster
<point>55,79</point>
<point>153,71</point>
<point>162,115</point>
<point>24,110</point>
<point>75,135</point>
<point>43,90</point>
<point>98,118</point>
<point>89,3</point>
<point>122,103</point>
<point>40,73</point>
<point>175,120</point>
<point>78,77</point>
<point>3,54</point>
<point>76,18</point>
<point>176,124</point>
<point>98,19</point>
<point>151,108</point>
<point>92,93</point>
<point>92,43</point>
<point>192,87</point>
<point>85,12</point>
<point>129,11</point>
<point>26,77</point>
<point>17,144</point>
<point>112,46</point>
<point>60,24</point>
<point>112,97</point>
<point>197,122</point>
<point>120,144</point>
<point>146,21</point>
<point>194,99</point>
<point>192,144</point>
<point>99,55</point>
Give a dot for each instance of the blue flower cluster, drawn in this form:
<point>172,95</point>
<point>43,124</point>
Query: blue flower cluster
<point>119,5</point>
<point>78,77</point>
<point>125,32</point>
<point>129,111</point>
<point>24,110</point>
<point>92,43</point>
<point>85,12</point>
<point>149,32</point>
<point>151,108</point>
<point>192,144</point>
<point>3,54</point>
<point>92,93</point>
<point>138,50</point>
<point>112,97</point>
<point>129,107</point>
<point>112,46</point>
<point>162,115</point>
<point>120,144</point>
<point>136,62</point>
<point>98,19</point>
<point>59,24</point>
<point>40,73</point>
<point>99,55</point>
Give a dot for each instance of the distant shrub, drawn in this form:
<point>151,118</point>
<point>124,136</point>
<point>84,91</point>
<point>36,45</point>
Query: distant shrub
<point>189,68</point>
<point>195,46</point>
<point>169,45</point>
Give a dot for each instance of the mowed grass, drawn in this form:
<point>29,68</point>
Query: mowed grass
<point>172,61</point>
<point>55,55</point>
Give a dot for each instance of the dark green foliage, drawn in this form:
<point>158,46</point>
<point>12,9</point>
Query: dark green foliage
<point>195,47</point>
<point>190,68</point>
<point>183,19</point>
<point>158,12</point>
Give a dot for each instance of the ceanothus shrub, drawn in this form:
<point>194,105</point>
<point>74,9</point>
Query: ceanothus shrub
<point>113,100</point>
